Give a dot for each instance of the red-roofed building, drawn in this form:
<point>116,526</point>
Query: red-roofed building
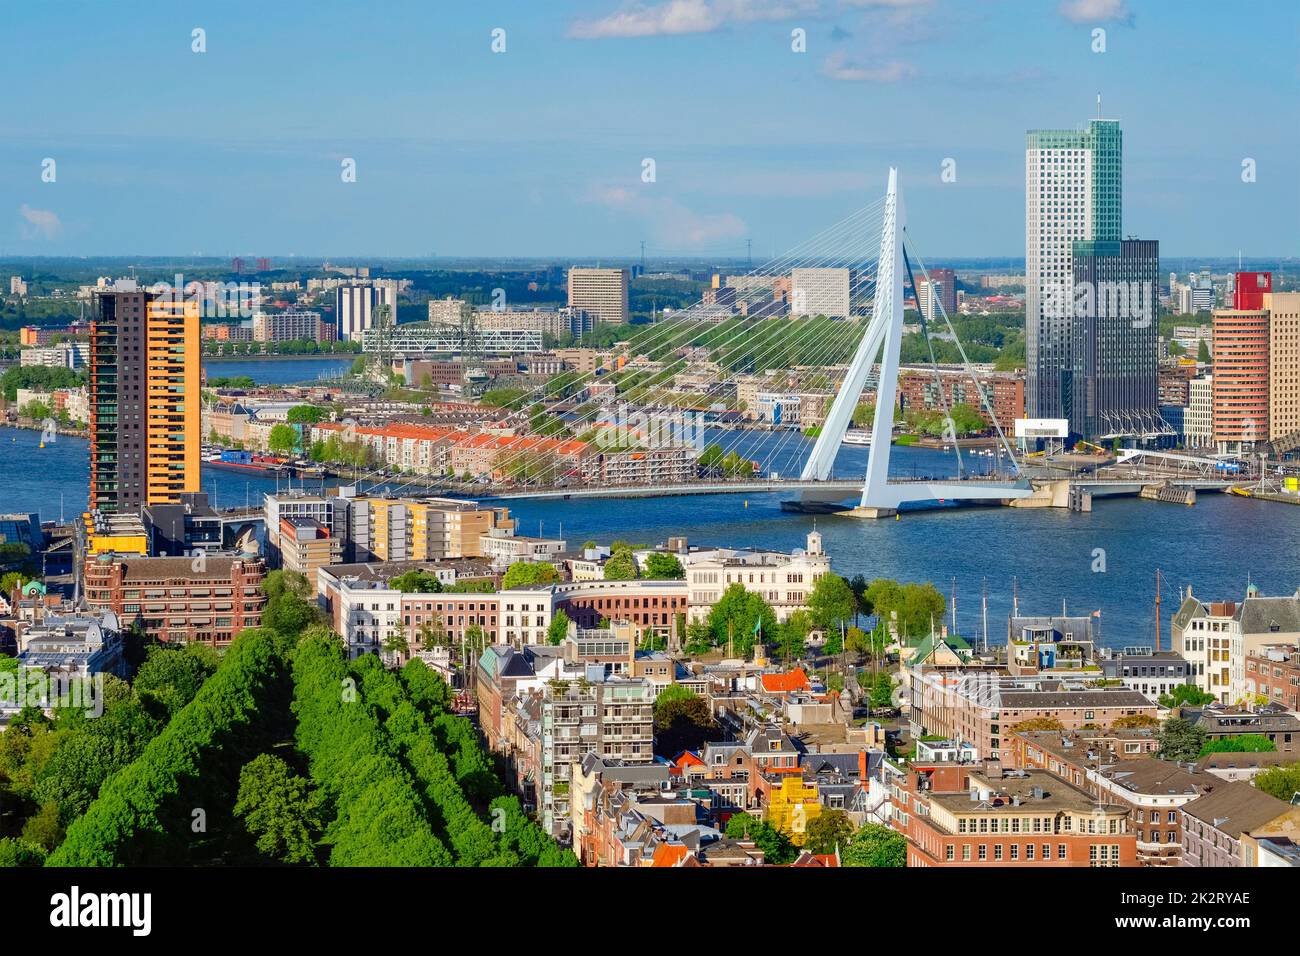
<point>789,683</point>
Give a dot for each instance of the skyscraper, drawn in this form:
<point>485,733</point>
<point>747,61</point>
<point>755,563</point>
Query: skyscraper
<point>1073,193</point>
<point>144,398</point>
<point>820,292</point>
<point>600,292</point>
<point>1113,380</point>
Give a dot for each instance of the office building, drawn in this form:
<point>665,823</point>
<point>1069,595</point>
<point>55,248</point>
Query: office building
<point>600,292</point>
<point>144,398</point>
<point>1241,379</point>
<point>1283,363</point>
<point>1073,193</point>
<point>1110,389</point>
<point>1198,420</point>
<point>820,292</point>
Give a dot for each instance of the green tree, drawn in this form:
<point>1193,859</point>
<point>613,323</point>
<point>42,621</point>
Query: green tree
<point>876,845</point>
<point>1202,352</point>
<point>776,846</point>
<point>661,566</point>
<point>831,602</point>
<point>880,690</point>
<point>559,628</point>
<point>1188,694</point>
<point>283,440</point>
<point>827,832</point>
<point>620,565</point>
<point>1180,739</point>
<point>278,811</point>
<point>1280,782</point>
<point>682,721</point>
<point>525,573</point>
<point>741,610</point>
<point>306,415</point>
<point>18,852</point>
<point>1239,744</point>
<point>416,581</point>
<point>794,633</point>
<point>915,606</point>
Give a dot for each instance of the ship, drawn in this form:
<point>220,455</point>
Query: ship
<point>236,459</point>
<point>857,436</point>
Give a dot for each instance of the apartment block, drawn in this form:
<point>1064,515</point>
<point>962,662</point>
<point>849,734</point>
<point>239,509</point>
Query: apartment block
<point>179,600</point>
<point>144,398</point>
<point>602,293</point>
<point>959,815</point>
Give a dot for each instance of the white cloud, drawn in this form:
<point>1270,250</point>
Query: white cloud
<point>673,225</point>
<point>678,17</point>
<point>1096,11</point>
<point>840,66</point>
<point>39,223</point>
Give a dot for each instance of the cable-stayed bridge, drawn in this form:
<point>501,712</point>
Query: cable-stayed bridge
<point>843,291</point>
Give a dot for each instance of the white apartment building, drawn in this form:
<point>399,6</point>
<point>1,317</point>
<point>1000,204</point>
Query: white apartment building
<point>503,547</point>
<point>783,580</point>
<point>286,326</point>
<point>446,311</point>
<point>356,303</point>
<point>820,292</point>
<point>64,355</point>
<point>1198,419</point>
<point>599,292</point>
<point>1216,636</point>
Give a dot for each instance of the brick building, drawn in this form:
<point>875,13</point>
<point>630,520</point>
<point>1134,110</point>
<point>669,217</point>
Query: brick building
<point>208,599</point>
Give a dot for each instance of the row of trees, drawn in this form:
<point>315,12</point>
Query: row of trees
<point>156,809</point>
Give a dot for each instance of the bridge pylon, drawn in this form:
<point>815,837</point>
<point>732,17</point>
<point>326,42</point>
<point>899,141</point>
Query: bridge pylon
<point>883,338</point>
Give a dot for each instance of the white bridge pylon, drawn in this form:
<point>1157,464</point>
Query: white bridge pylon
<point>883,338</point>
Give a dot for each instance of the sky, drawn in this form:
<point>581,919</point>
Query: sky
<point>540,149</point>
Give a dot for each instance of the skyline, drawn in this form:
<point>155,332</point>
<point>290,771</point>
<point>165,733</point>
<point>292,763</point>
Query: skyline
<point>788,144</point>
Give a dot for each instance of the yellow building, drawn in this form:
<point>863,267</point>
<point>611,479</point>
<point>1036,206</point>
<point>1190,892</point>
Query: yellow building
<point>115,533</point>
<point>792,805</point>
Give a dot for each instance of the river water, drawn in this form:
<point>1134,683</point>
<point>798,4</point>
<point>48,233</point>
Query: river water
<point>1103,560</point>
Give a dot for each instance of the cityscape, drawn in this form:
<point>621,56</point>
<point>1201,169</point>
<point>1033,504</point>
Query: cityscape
<point>740,508</point>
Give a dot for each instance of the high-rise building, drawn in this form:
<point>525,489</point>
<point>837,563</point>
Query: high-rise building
<point>1241,391</point>
<point>1111,385</point>
<point>944,283</point>
<point>600,292</point>
<point>820,292</point>
<point>1283,363</point>
<point>356,303</point>
<point>1249,289</point>
<point>144,398</point>
<point>1073,193</point>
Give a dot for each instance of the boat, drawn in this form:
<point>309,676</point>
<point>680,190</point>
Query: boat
<point>856,436</point>
<point>236,459</point>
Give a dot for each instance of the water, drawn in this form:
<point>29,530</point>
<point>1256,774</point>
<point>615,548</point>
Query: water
<point>1218,546</point>
<point>277,371</point>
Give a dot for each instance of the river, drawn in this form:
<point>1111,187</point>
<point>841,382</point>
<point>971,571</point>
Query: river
<point>1218,546</point>
<point>278,371</point>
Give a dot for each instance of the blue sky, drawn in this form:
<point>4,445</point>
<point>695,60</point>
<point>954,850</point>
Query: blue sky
<point>538,150</point>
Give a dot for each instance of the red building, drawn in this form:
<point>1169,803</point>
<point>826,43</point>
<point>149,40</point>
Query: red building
<point>980,815</point>
<point>1249,289</point>
<point>207,599</point>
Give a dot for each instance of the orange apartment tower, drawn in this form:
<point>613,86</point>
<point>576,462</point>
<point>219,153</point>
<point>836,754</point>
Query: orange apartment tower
<point>144,398</point>
<point>1241,379</point>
